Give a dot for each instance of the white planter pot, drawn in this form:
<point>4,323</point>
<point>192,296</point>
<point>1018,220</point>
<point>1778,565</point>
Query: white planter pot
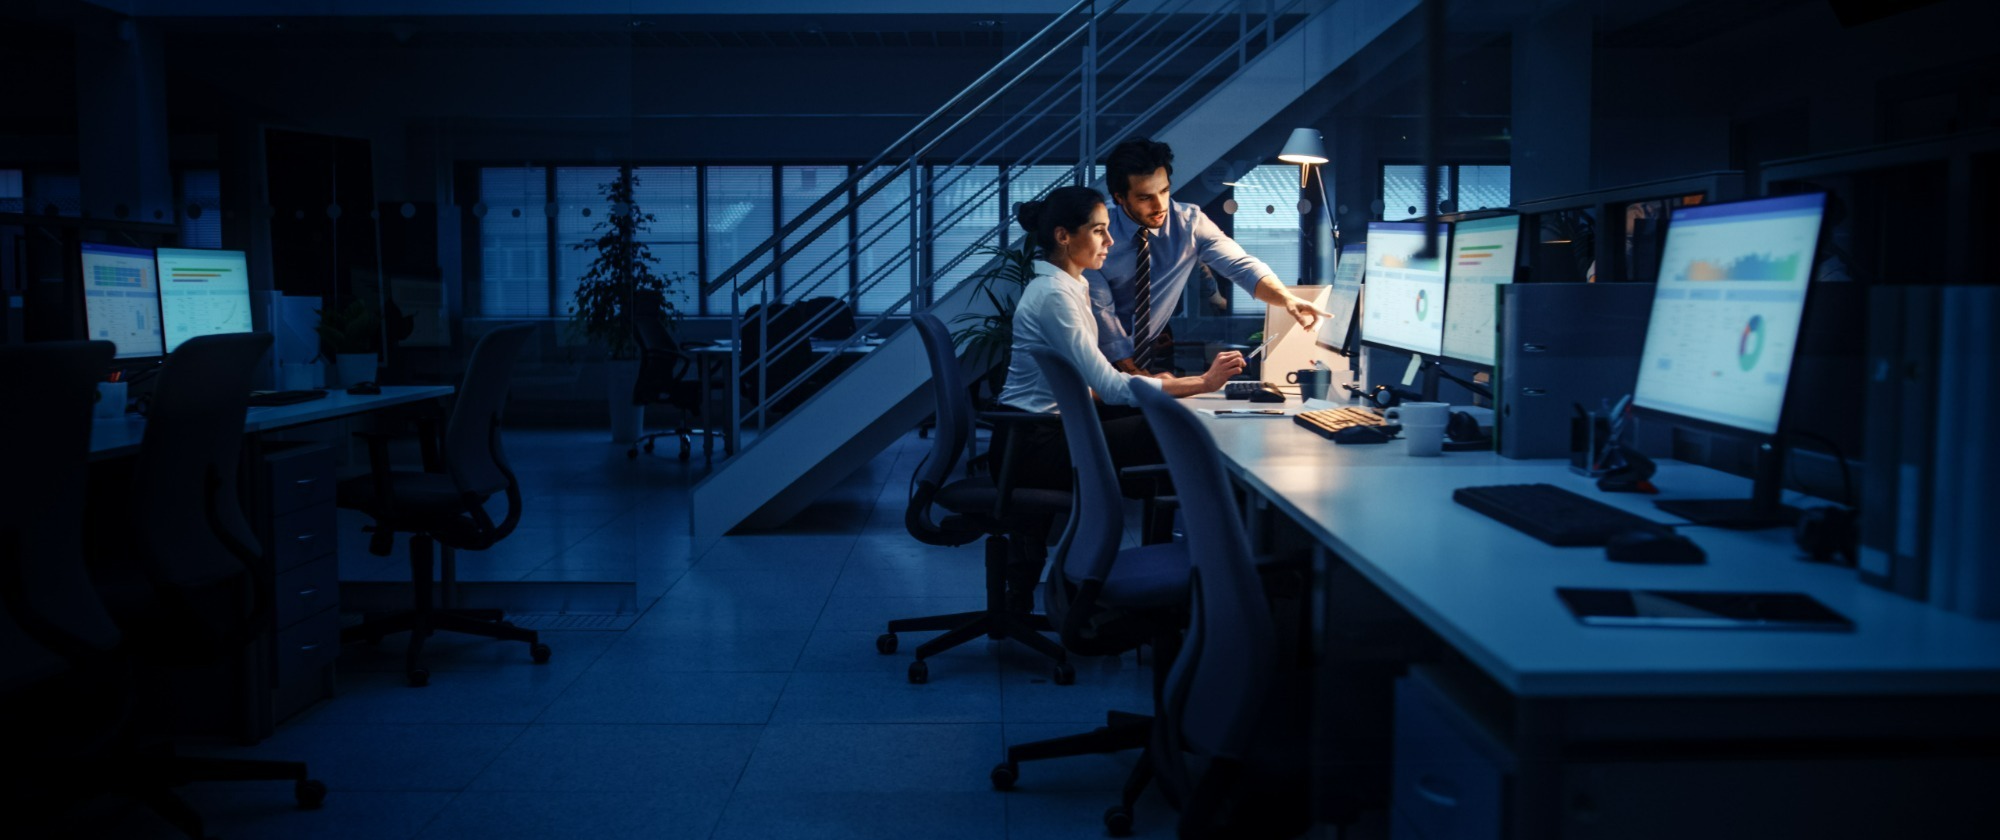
<point>626,419</point>
<point>353,368</point>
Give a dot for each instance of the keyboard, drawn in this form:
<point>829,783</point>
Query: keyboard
<point>1326,421</point>
<point>1239,389</point>
<point>269,398</point>
<point>1552,514</point>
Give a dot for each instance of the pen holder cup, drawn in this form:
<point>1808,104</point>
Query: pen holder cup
<point>1590,444</point>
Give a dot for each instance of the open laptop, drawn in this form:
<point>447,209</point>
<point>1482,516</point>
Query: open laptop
<point>1288,346</point>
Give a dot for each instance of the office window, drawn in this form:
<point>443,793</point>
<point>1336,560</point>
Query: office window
<point>1484,187</point>
<point>514,243</point>
<point>13,192</point>
<point>821,267</point>
<point>200,208</point>
<point>739,219</point>
<point>965,213</point>
<point>61,195</point>
<point>883,267</point>
<point>674,236</point>
<point>577,190</point>
<point>1467,187</point>
<point>1267,226</point>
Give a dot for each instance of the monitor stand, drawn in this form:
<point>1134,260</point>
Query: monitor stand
<point>1764,508</point>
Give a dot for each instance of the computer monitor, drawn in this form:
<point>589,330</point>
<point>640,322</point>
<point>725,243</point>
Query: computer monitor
<point>1346,297</point>
<point>1483,253</point>
<point>202,292</point>
<point>1406,295</point>
<point>121,300</point>
<point>1724,331</point>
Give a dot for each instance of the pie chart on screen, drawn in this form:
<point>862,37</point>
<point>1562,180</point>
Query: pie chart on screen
<point>1751,344</point>
<point>1423,304</point>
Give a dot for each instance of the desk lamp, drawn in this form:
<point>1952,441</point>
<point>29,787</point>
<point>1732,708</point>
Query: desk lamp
<point>1307,149</point>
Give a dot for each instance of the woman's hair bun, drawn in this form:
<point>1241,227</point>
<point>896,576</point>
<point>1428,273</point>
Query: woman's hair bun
<point>1029,214</point>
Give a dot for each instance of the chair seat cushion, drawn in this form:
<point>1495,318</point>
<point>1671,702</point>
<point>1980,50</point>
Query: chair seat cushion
<point>1147,576</point>
<point>978,495</point>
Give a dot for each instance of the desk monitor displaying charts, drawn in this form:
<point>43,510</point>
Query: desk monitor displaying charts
<point>1482,258</point>
<point>121,299</point>
<point>202,293</point>
<point>1726,311</point>
<point>1346,297</point>
<point>1405,294</point>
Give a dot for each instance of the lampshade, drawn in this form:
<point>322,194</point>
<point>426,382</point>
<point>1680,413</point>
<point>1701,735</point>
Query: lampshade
<point>1305,148</point>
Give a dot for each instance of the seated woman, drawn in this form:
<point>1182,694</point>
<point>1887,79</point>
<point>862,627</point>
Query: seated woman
<point>1072,230</point>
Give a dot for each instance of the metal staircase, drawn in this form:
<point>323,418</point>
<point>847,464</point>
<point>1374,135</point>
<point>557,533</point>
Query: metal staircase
<point>1198,74</point>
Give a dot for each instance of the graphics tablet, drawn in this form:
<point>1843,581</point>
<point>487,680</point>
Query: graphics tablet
<point>1710,610</point>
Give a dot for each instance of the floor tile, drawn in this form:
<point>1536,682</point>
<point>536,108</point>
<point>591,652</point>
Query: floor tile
<point>384,757</point>
<point>953,695</point>
<point>621,758</point>
<point>661,814</point>
<point>873,758</point>
<point>848,816</point>
<point>625,693</point>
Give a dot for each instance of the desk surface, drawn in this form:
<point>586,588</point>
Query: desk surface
<point>1489,590</point>
<point>110,438</point>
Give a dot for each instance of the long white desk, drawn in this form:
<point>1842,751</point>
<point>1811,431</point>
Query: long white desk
<point>1487,591</point>
<point>119,436</point>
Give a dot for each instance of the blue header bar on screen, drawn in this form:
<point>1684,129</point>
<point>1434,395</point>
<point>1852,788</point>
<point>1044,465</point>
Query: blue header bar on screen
<point>1784,205</point>
<point>117,250</point>
<point>1407,227</point>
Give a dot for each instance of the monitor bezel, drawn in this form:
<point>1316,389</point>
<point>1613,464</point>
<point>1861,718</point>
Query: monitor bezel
<point>249,293</point>
<point>1514,276</point>
<point>1444,234</point>
<point>83,303</point>
<point>1348,341</point>
<point>1791,368</point>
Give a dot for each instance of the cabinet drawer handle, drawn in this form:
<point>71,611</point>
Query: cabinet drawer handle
<point>308,537</point>
<point>1436,790</point>
<point>304,481</point>
<point>309,591</point>
<point>308,648</point>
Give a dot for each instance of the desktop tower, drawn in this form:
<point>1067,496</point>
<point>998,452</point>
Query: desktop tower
<point>1564,345</point>
<point>1927,487</point>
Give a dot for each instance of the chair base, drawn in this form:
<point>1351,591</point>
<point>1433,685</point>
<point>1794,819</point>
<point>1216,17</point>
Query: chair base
<point>997,621</point>
<point>423,619</point>
<point>1121,731</point>
<point>156,794</point>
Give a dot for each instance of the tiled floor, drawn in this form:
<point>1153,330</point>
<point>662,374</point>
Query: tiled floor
<point>746,702</point>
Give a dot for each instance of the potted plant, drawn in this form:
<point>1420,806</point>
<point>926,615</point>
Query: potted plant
<point>987,338</point>
<point>351,336</point>
<point>601,311</point>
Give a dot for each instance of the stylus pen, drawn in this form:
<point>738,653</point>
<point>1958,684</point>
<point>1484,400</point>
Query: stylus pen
<point>1249,412</point>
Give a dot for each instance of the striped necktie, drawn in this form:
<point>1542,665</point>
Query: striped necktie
<point>1142,304</point>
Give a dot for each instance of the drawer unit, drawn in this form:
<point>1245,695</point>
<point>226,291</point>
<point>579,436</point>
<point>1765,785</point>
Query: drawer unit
<point>1445,786</point>
<point>299,477</point>
<point>306,589</point>
<point>297,520</point>
<point>305,652</point>
<point>302,536</point>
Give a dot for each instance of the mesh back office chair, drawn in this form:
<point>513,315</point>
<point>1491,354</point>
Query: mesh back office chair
<point>1105,600</point>
<point>201,589</point>
<point>52,624</point>
<point>445,505</point>
<point>663,374</point>
<point>989,507</point>
<point>1223,700</point>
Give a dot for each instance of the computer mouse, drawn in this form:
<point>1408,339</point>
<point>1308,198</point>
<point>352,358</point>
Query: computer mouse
<point>1364,434</point>
<point>363,389</point>
<point>1266,394</point>
<point>1659,546</point>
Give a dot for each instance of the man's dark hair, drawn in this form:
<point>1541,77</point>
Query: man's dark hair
<point>1138,156</point>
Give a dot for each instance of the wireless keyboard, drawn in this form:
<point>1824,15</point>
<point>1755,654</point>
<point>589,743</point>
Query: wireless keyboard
<point>1239,389</point>
<point>270,398</point>
<point>1552,514</point>
<point>1326,421</point>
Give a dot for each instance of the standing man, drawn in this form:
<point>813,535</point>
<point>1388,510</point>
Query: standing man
<point>1156,245</point>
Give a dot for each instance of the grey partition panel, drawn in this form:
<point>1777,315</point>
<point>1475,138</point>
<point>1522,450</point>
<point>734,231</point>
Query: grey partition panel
<point>1564,345</point>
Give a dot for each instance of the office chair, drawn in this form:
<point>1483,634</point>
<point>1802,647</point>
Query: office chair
<point>790,331</point>
<point>989,507</point>
<point>445,506</point>
<point>197,588</point>
<point>1105,600</point>
<point>663,369</point>
<point>1224,701</point>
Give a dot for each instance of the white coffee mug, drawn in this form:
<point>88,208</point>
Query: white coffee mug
<point>1419,414</point>
<point>1424,440</point>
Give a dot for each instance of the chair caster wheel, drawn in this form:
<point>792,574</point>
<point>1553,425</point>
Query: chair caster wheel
<point>632,454</point>
<point>1004,775</point>
<point>649,447</point>
<point>419,678</point>
<point>919,673</point>
<point>885,644</point>
<point>1118,821</point>
<point>686,452</point>
<point>310,793</point>
<point>1065,673</point>
<point>540,652</point>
